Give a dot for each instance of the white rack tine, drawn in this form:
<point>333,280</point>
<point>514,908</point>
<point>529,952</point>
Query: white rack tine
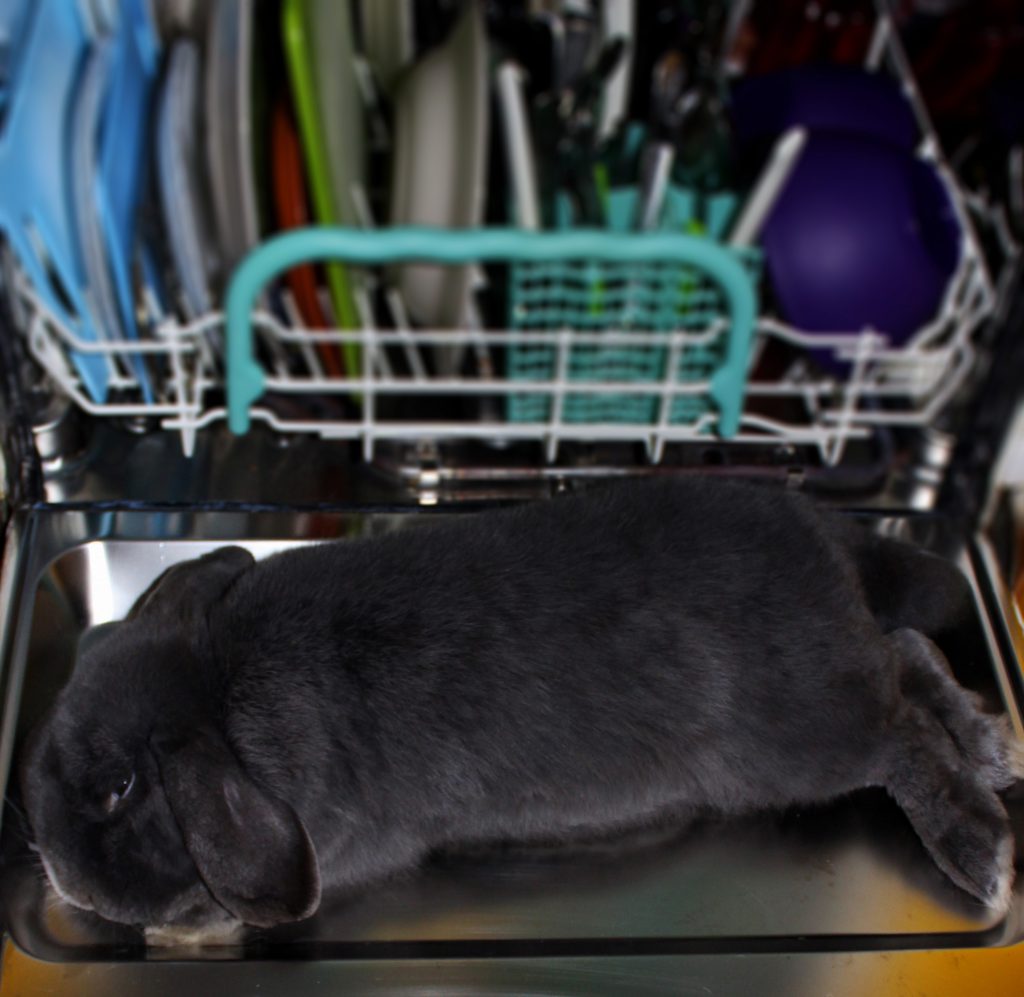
<point>399,315</point>
<point>378,357</point>
<point>309,354</point>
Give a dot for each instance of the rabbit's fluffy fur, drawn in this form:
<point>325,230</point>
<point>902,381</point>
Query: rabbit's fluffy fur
<point>254,733</point>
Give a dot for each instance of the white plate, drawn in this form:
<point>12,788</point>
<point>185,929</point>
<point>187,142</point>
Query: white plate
<point>441,141</point>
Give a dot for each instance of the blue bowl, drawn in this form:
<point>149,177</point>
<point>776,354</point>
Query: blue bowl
<point>864,234</point>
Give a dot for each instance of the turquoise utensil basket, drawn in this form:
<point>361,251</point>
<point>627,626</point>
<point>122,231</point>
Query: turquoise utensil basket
<point>657,295</point>
<point>689,290</point>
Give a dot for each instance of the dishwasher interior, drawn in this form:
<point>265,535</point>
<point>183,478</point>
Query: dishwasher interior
<point>119,461</point>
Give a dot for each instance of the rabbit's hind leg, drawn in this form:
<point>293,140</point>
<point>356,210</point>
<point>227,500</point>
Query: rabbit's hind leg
<point>953,809</point>
<point>986,741</point>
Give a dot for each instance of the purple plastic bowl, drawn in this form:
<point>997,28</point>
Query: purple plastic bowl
<point>863,234</point>
<point>829,98</point>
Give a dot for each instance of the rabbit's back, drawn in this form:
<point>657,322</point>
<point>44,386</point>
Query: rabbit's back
<point>655,640</point>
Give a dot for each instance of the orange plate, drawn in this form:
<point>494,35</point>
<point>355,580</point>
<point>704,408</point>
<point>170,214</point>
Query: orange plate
<point>291,205</point>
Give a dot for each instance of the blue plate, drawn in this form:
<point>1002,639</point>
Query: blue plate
<point>35,213</point>
<point>14,21</point>
<point>178,168</point>
<point>82,166</point>
<point>124,142</point>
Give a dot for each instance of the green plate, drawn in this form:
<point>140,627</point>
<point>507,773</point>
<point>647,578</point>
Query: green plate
<point>312,28</point>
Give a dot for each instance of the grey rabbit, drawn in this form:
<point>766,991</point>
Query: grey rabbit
<point>254,734</point>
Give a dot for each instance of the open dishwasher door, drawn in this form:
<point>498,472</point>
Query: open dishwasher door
<point>839,899</point>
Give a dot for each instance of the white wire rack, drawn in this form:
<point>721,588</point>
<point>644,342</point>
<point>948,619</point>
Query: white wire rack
<point>865,383</point>
<point>833,389</point>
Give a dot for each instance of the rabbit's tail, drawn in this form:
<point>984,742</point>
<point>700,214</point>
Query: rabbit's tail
<point>943,762</point>
<point>905,586</point>
<point>985,741</point>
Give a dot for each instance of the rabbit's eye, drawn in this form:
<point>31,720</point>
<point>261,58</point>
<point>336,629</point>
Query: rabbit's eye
<point>123,788</point>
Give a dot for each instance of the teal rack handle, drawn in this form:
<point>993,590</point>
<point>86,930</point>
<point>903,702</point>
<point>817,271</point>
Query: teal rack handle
<point>245,378</point>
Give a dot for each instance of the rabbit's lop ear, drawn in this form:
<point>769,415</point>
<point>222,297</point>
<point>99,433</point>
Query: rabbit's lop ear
<point>251,849</point>
<point>95,636</point>
<point>192,586</point>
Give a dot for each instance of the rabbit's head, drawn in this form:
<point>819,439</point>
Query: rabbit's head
<point>141,811</point>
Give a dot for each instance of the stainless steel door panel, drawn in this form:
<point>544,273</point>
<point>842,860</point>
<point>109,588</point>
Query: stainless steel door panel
<point>768,896</point>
